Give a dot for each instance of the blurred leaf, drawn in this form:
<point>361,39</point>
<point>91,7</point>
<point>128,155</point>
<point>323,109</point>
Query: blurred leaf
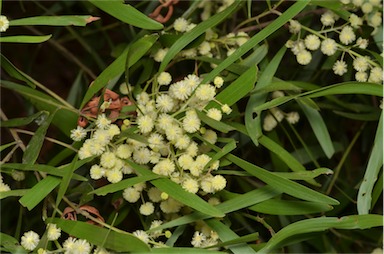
<point>54,21</point>
<point>11,244</point>
<point>127,14</point>
<point>253,117</point>
<point>13,193</point>
<point>367,116</point>
<point>116,241</point>
<point>242,239</point>
<point>320,224</point>
<point>15,122</point>
<point>39,191</point>
<point>25,38</point>
<point>117,68</point>
<point>319,129</point>
<point>15,72</point>
<point>256,56</point>
<point>111,188</point>
<point>377,190</point>
<point>5,146</point>
<point>183,250</point>
<point>167,40</point>
<point>335,6</point>
<point>349,88</point>
<point>65,118</point>
<point>305,175</point>
<point>289,207</point>
<point>375,163</point>
<point>68,173</point>
<point>198,30</point>
<point>226,234</point>
<point>33,148</point>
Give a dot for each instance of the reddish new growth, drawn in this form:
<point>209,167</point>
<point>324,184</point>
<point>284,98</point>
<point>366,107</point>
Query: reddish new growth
<point>156,15</point>
<point>115,104</point>
<point>70,213</point>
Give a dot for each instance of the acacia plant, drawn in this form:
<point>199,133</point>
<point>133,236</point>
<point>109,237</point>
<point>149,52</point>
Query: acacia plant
<point>191,126</point>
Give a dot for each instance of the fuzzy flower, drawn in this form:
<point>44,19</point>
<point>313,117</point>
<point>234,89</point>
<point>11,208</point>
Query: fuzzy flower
<point>218,182</point>
<point>355,21</point>
<point>218,81</point>
<point>124,151</point>
<point>366,8</point>
<point>182,142</point>
<point>226,109</point>
<point>190,185</point>
<point>53,232</point>
<point>198,239</point>
<point>347,36</point>
<point>18,175</point>
<point>69,244</point>
<point>191,122</point>
<point>214,113</point>
<point>173,132</point>
<point>207,186</point>
<point>269,122</point>
<point>360,63</point>
<point>361,76</point>
<point>155,224</point>
<point>160,54</point>
<point>141,155</point>
<point>210,136</point>
<point>30,240</point>
<point>147,208</point>
<point>204,48</point>
<point>180,90</point>
<point>78,134</point>
<point>376,75</point>
<point>145,123</point>
<point>170,206</point>
<point>328,47</point>
<point>191,81</point>
<point>102,137</point>
<point>81,246</point>
<point>294,26</point>
<point>205,92</point>
<point>241,38</point>
<point>154,194</point>
<point>108,160</point>
<point>362,43</point>
<point>4,187</point>
<point>164,78</point>
<point>192,149</point>
<point>102,122</point>
<point>297,47</point>
<point>304,57</point>
<point>114,175</point>
<point>131,195</point>
<point>375,20</point>
<point>328,18</point>
<point>185,161</point>
<point>4,23</point>
<point>164,167</point>
<point>96,172</point>
<point>358,3</point>
<point>164,121</point>
<point>165,103</point>
<point>312,42</point>
<point>180,25</point>
<point>340,67</point>
<point>142,235</point>
<point>292,117</point>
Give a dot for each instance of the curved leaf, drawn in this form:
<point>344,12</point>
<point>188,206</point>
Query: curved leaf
<point>67,20</point>
<point>25,38</point>
<point>289,207</point>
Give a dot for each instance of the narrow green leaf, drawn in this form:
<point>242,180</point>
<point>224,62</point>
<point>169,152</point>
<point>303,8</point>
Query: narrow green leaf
<point>305,175</point>
<point>38,192</point>
<point>256,56</point>
<point>68,172</point>
<point>33,148</point>
<point>321,224</point>
<point>367,116</point>
<point>15,72</point>
<point>65,118</point>
<point>242,239</point>
<point>237,89</point>
<point>116,241</point>
<point>5,146</point>
<point>175,191</point>
<point>198,30</point>
<point>257,38</point>
<point>127,14</point>
<point>319,129</point>
<point>13,193</point>
<point>226,234</point>
<point>349,88</point>
<point>178,193</point>
<point>67,20</point>
<point>42,168</point>
<point>289,207</point>
<point>335,6</point>
<point>178,250</point>
<point>253,117</point>
<point>10,243</point>
<point>15,122</point>
<point>25,39</point>
<point>218,125</point>
<point>375,163</point>
<point>284,185</point>
<point>285,156</point>
<point>117,68</point>
<point>112,188</point>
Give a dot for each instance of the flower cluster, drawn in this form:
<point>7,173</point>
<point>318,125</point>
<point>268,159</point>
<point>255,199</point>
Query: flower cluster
<point>3,186</point>
<point>166,135</point>
<point>343,38</point>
